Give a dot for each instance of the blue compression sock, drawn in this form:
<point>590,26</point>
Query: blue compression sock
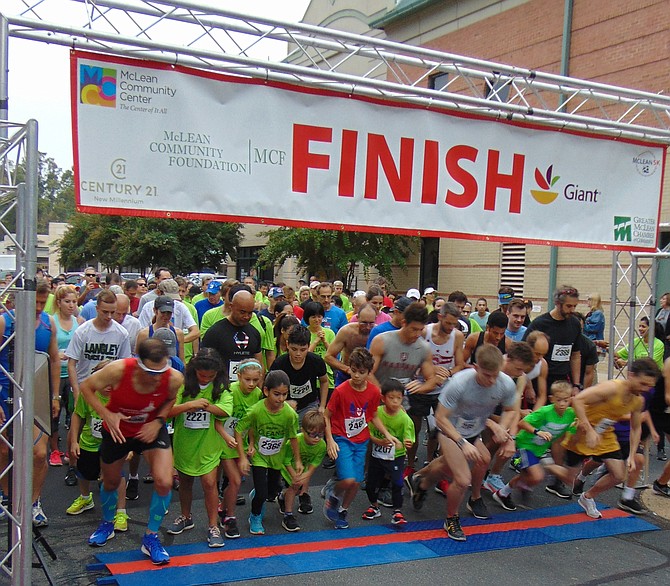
<point>108,500</point>
<point>157,509</point>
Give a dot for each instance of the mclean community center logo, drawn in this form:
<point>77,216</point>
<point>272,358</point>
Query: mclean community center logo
<point>623,229</point>
<point>545,182</point>
<point>97,86</point>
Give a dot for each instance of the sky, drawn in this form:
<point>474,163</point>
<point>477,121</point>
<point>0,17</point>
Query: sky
<point>39,77</point>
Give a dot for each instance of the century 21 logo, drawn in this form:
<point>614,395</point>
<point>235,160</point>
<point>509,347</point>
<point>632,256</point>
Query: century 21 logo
<point>623,229</point>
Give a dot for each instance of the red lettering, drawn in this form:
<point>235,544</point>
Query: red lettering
<point>345,185</point>
<point>496,180</point>
<point>461,176</point>
<point>303,160</point>
<point>400,182</point>
<point>431,152</point>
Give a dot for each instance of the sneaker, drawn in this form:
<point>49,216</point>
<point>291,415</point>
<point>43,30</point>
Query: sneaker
<point>442,487</point>
<point>660,455</point>
<point>398,519</point>
<point>559,489</point>
<point>327,487</point>
<point>328,463</point>
<point>214,538</point>
<point>418,494</point>
<point>305,507</point>
<point>55,459</point>
<point>152,547</point>
<point>133,489</point>
<point>121,521</point>
<point>385,499</point>
<point>281,503</point>
<point>577,486</point>
<point>148,479</point>
<point>341,522</point>
<point>290,523</point>
<point>372,513</point>
<point>39,518</point>
<point>478,508</point>
<point>102,534</point>
<point>256,524</point>
<point>71,477</point>
<point>589,506</point>
<point>493,482</point>
<point>407,472</point>
<point>81,504</point>
<point>632,506</point>
<point>515,463</point>
<point>662,489</point>
<point>230,528</point>
<point>241,500</point>
<point>505,502</point>
<point>181,524</point>
<point>453,528</point>
<point>332,504</point>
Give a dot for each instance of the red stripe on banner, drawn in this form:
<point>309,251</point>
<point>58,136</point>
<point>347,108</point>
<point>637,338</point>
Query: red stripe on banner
<point>354,542</point>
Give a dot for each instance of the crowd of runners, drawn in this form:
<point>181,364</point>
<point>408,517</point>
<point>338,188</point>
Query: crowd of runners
<point>226,379</point>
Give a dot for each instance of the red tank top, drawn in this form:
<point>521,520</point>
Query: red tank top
<point>139,407</point>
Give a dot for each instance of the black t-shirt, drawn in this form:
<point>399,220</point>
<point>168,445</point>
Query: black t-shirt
<point>234,343</point>
<point>589,353</point>
<point>305,385</point>
<point>564,337</point>
<point>480,342</point>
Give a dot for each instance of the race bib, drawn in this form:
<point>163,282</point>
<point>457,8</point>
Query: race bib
<point>465,426</point>
<point>300,391</point>
<point>196,419</point>
<point>383,452</point>
<point>96,427</point>
<point>230,425</point>
<point>354,425</point>
<point>561,352</point>
<point>232,370</point>
<point>269,446</point>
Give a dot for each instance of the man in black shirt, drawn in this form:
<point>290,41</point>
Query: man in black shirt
<point>234,338</point>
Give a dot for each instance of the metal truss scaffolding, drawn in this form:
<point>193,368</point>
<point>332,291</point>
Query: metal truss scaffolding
<point>18,203</point>
<point>208,37</point>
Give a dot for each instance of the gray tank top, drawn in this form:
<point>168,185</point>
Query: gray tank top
<point>400,360</point>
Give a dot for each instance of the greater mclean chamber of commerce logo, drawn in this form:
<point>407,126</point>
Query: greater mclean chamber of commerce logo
<point>623,229</point>
<point>97,86</point>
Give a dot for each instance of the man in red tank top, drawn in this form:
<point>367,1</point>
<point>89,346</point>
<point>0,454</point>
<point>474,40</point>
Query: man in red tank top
<point>143,392</point>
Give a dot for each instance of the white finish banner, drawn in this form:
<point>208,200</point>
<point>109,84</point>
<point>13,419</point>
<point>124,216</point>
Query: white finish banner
<point>156,140</point>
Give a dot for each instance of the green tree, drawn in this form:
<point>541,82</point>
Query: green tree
<point>122,241</point>
<point>336,253</point>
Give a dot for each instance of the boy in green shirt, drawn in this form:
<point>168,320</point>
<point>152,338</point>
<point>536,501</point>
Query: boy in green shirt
<point>312,450</point>
<point>538,430</point>
<point>388,460</point>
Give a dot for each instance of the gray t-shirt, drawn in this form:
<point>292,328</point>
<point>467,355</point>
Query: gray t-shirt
<point>471,404</point>
<point>400,360</point>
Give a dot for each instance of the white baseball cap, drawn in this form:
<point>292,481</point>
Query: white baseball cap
<point>413,294</point>
<point>358,294</point>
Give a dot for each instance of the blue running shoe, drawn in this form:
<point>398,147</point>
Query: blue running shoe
<point>331,506</point>
<point>152,547</point>
<point>341,521</point>
<point>102,534</point>
<point>256,524</point>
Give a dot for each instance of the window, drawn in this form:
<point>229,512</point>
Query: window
<point>437,81</point>
<point>513,266</point>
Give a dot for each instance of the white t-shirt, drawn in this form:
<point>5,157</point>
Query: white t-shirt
<point>132,326</point>
<point>90,346</point>
<point>181,318</point>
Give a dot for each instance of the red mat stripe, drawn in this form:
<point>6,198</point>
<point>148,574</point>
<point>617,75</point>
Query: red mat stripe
<point>335,544</point>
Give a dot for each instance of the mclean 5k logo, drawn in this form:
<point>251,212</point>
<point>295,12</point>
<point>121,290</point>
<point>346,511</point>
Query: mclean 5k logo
<point>623,229</point>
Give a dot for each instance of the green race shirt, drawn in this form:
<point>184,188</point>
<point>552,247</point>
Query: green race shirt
<point>320,350</point>
<point>310,455</point>
<point>197,446</point>
<point>90,437</point>
<point>400,426</point>
<point>545,419</point>
<point>241,404</point>
<point>271,431</point>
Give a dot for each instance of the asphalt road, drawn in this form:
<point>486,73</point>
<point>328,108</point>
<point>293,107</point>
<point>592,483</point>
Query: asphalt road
<point>628,559</point>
